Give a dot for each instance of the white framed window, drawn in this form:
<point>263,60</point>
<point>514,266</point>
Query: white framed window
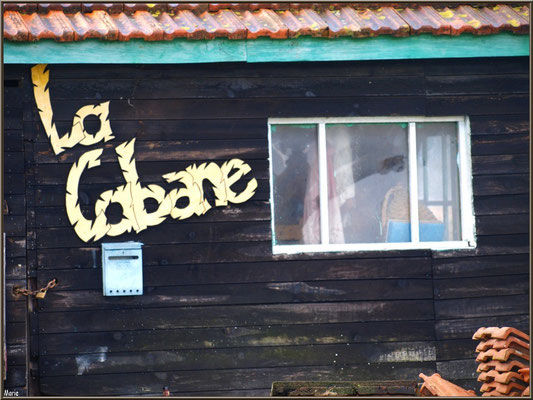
<point>370,183</point>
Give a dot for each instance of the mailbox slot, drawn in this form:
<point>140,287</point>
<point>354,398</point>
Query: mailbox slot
<point>122,272</point>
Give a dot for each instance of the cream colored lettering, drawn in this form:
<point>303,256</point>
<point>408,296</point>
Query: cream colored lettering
<point>132,194</point>
<point>84,228</point>
<point>242,169</point>
<point>78,134</point>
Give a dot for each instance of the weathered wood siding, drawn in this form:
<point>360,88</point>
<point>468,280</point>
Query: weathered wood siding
<point>17,114</point>
<point>221,315</point>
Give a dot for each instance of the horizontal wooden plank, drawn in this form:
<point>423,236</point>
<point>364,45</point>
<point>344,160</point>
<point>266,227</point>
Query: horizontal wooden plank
<point>502,204</point>
<point>462,328</point>
<point>502,244</point>
<point>16,354</point>
<point>16,204</point>
<point>15,247</point>
<point>456,349</point>
<point>149,172</point>
<point>481,266</point>
<point>236,336</point>
<point>54,217</point>
<point>170,129</point>
<point>13,162</point>
<point>501,184</point>
<point>311,271</point>
<point>280,107</point>
<point>16,311</point>
<point>458,369</point>
<point>15,225</point>
<point>476,84</point>
<point>490,246</point>
<point>483,145</point>
<point>195,151</point>
<point>477,105</point>
<point>168,233</point>
<point>15,268</point>
<point>264,293</point>
<point>263,392</point>
<point>502,224</point>
<point>262,87</point>
<point>500,164</point>
<point>488,306</point>
<point>12,119</point>
<point>213,316</point>
<point>214,253</point>
<point>13,140</point>
<point>495,124</point>
<point>257,272</point>
<point>16,333</point>
<point>14,184</point>
<point>481,286</point>
<point>104,362</point>
<point>54,195</point>
<point>14,71</point>
<point>477,66</point>
<point>188,381</point>
<point>15,377</point>
<point>236,69</point>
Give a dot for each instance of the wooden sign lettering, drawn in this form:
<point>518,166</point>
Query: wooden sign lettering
<point>132,193</point>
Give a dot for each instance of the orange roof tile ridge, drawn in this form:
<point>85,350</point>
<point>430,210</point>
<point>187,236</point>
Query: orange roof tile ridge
<point>79,21</point>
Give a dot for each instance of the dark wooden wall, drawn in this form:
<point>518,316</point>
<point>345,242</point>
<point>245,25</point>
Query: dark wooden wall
<point>221,315</point>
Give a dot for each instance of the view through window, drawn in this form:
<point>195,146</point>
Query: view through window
<point>372,184</point>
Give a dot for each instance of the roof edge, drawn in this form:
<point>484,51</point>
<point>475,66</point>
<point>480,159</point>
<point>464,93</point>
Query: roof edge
<point>183,51</point>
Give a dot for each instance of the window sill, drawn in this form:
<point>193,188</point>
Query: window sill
<point>358,247</point>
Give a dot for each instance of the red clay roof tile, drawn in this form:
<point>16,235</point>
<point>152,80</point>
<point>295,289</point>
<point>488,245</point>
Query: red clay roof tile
<point>525,374</point>
<point>502,355</point>
<point>499,333</point>
<point>166,21</point>
<point>498,344</point>
<point>501,387</point>
<point>437,386</point>
<point>513,365</point>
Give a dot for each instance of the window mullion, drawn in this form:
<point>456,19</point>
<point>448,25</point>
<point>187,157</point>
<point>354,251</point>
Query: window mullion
<point>413,184</point>
<point>465,195</point>
<point>323,183</point>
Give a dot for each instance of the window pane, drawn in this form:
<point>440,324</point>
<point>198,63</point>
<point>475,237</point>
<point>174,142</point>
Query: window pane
<point>368,183</point>
<point>438,181</point>
<point>295,180</point>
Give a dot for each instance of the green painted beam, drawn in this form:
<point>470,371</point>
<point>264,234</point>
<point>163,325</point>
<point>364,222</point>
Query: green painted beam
<point>305,48</point>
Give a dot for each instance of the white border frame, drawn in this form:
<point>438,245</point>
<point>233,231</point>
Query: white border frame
<point>465,186</point>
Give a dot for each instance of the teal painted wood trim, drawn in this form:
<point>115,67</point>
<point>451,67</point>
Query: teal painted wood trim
<point>93,51</point>
<point>388,48</point>
<point>181,51</point>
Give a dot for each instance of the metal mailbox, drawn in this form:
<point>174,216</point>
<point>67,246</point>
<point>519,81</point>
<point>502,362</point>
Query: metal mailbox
<point>122,269</point>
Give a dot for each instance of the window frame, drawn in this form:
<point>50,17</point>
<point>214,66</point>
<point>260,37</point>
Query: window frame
<point>466,199</point>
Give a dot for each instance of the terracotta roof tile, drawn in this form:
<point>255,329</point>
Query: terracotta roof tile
<point>435,385</point>
<point>498,344</point>
<point>525,374</point>
<point>503,377</point>
<point>499,333</point>
<point>502,355</point>
<point>14,27</point>
<point>501,366</point>
<point>526,392</point>
<point>425,19</point>
<point>501,387</point>
<point>166,21</point>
